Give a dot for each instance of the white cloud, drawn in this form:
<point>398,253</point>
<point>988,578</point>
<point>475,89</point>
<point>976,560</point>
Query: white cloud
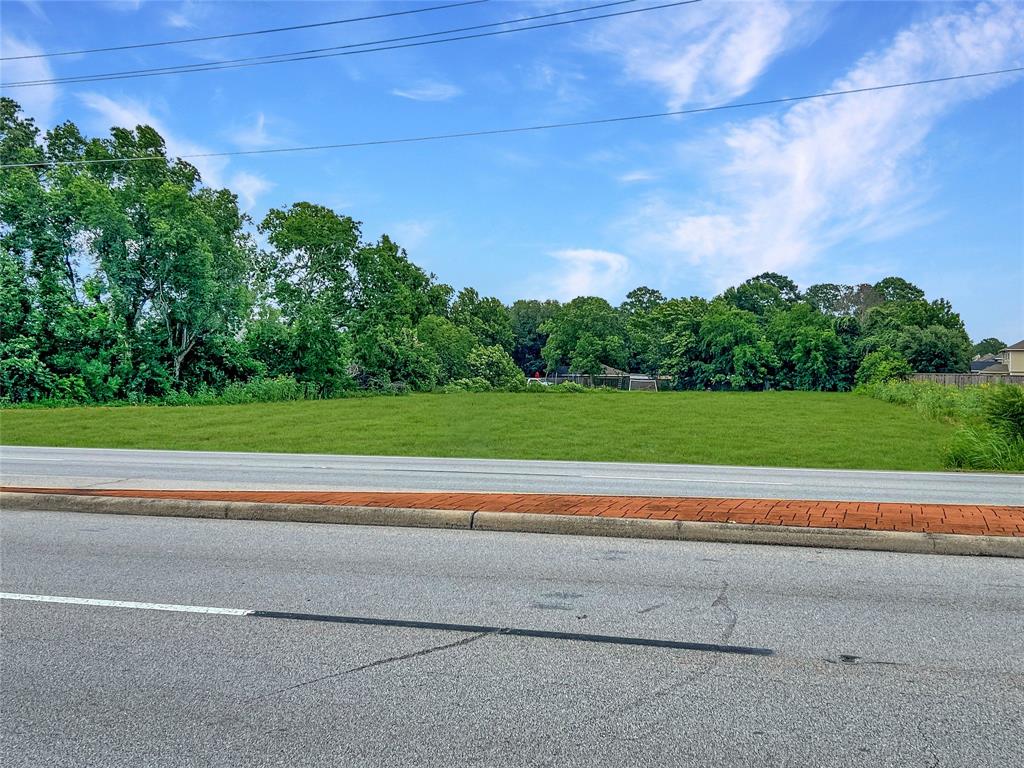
<point>36,9</point>
<point>787,187</point>
<point>585,272</point>
<point>710,52</point>
<point>428,90</point>
<point>177,20</point>
<point>187,14</point>
<point>248,187</point>
<point>125,6</point>
<point>38,100</point>
<point>632,177</point>
<point>254,136</point>
<point>128,113</point>
<point>411,234</point>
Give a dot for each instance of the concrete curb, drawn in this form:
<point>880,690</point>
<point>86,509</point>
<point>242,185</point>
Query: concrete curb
<point>525,522</point>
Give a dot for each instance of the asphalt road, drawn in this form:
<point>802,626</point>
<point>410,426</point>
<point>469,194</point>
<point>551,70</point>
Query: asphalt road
<point>876,659</point>
<point>99,468</point>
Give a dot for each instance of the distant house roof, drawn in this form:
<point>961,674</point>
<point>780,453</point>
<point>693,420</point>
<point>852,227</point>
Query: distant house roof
<point>606,370</point>
<point>981,362</point>
<point>1018,347</point>
<point>997,368</point>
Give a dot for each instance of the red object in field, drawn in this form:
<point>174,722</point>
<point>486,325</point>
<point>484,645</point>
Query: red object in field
<point>536,374</point>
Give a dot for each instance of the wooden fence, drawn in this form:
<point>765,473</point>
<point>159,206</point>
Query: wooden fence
<point>968,379</point>
<point>615,382</point>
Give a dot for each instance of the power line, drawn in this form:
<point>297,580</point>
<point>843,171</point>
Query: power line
<point>317,53</point>
<point>242,34</point>
<point>526,129</point>
<point>338,50</point>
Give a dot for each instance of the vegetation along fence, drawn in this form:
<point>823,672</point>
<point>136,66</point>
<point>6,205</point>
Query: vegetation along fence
<point>968,379</point>
<point>614,382</point>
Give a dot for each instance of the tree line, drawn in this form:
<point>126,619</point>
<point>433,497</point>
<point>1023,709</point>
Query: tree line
<point>132,280</point>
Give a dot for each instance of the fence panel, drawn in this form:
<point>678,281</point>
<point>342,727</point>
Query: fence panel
<point>968,379</point>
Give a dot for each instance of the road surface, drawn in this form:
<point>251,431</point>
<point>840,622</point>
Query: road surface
<point>104,468</point>
<point>830,658</point>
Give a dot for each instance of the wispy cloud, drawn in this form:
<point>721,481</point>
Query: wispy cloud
<point>129,113</point>
<point>37,101</point>
<point>186,15</point>
<point>249,187</point>
<point>847,168</point>
<point>428,90</point>
<point>634,177</point>
<point>584,272</point>
<point>255,135</point>
<point>711,52</point>
<point>36,9</point>
<point>412,233</point>
<point>125,6</point>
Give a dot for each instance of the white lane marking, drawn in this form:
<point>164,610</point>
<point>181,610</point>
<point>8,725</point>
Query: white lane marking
<point>31,460</point>
<point>711,481</point>
<point>125,604</point>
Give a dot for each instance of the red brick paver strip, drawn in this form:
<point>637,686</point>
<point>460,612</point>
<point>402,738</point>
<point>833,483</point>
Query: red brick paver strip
<point>923,518</point>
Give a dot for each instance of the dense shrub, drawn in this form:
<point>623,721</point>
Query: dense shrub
<point>473,384</point>
<point>990,417</point>
<point>275,390</point>
<point>984,447</point>
<point>882,365</point>
<point>496,367</point>
<point>1004,410</point>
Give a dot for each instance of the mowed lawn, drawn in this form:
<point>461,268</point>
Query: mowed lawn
<point>794,429</point>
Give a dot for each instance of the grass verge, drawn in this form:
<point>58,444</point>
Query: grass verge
<point>796,429</point>
<point>990,419</point>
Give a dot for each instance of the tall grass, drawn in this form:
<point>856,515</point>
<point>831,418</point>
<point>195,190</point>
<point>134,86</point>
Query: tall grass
<point>990,419</point>
<point>279,389</point>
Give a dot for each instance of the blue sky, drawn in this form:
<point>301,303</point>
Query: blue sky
<point>924,182</point>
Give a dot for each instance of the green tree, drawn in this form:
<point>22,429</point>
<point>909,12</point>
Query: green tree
<point>496,366</point>
<point>737,353</point>
<point>486,318</point>
<point>676,328</point>
<point>641,328</point>
<point>810,352</point>
<point>593,321</point>
<point>989,346</point>
<point>883,365</point>
<point>527,317</point>
<point>451,346</point>
<point>763,293</point>
<point>310,268</point>
<point>898,289</point>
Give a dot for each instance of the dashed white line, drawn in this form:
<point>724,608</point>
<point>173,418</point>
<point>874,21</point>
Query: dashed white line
<point>125,604</point>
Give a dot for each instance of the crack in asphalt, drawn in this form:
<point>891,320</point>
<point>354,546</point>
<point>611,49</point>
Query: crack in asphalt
<point>381,662</point>
<point>650,608</point>
<point>728,617</point>
<point>724,609</point>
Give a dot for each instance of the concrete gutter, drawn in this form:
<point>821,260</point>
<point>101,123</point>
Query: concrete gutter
<point>525,522</point>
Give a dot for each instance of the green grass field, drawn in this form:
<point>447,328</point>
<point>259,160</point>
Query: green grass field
<point>795,429</point>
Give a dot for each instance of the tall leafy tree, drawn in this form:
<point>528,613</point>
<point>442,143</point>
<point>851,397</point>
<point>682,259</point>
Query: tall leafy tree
<point>485,317</point>
<point>528,317</point>
<point>737,353</point>
<point>810,352</point>
<point>989,346</point>
<point>641,329</point>
<point>584,334</point>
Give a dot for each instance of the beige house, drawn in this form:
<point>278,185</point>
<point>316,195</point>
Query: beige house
<point>1013,358</point>
<point>1012,361</point>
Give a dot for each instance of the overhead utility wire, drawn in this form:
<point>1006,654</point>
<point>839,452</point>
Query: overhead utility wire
<point>312,53</point>
<point>301,55</point>
<point>525,129</point>
<point>242,34</point>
